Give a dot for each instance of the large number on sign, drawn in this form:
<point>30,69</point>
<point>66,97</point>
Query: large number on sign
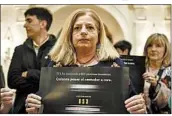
<point>82,101</point>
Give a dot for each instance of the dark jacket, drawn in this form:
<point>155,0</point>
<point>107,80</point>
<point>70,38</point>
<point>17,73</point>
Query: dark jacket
<point>2,80</point>
<point>25,59</point>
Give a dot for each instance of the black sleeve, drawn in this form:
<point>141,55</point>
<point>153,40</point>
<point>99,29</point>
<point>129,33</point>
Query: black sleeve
<point>33,75</point>
<point>2,80</point>
<point>15,80</point>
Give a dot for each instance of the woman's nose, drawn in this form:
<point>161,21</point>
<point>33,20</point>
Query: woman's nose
<point>84,30</point>
<point>154,47</point>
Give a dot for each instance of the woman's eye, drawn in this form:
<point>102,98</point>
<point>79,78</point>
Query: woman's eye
<point>158,45</point>
<point>90,28</point>
<point>76,28</point>
<point>150,45</point>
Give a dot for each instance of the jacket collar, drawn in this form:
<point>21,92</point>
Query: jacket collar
<point>50,42</point>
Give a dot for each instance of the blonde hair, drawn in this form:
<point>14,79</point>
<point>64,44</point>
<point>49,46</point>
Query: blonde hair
<point>108,33</point>
<point>162,40</point>
<point>63,51</point>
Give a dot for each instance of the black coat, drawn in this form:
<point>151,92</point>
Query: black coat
<point>2,80</point>
<point>25,59</point>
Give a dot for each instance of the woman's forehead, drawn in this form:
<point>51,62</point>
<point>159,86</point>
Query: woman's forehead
<point>85,19</point>
<point>157,41</point>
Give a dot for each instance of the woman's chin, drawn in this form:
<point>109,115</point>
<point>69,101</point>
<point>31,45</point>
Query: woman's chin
<point>155,59</point>
<point>84,46</point>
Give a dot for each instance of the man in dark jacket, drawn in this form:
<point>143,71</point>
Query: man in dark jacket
<point>28,58</point>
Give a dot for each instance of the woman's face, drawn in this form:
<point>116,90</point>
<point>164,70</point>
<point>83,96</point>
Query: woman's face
<point>155,51</point>
<point>85,32</point>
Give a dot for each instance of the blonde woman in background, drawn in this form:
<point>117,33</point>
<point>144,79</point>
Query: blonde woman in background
<point>157,52</point>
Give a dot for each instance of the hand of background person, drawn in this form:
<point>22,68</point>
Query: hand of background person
<point>136,104</point>
<point>115,65</point>
<point>24,74</point>
<point>150,77</point>
<point>7,97</point>
<point>33,103</point>
<point>57,65</point>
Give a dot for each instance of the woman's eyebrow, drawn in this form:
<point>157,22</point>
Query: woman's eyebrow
<point>77,24</point>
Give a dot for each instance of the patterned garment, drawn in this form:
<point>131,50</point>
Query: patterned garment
<point>161,94</point>
<point>166,77</point>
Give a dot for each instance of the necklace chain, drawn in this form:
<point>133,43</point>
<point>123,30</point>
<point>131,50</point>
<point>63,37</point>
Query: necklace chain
<point>87,61</point>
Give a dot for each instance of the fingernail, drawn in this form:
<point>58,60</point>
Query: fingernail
<point>128,109</point>
<point>126,106</point>
<point>14,90</point>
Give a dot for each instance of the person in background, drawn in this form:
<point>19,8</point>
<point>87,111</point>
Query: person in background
<point>123,47</point>
<point>28,58</point>
<point>157,52</point>
<point>83,43</point>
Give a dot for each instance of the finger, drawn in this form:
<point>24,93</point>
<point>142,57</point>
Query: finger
<point>32,110</point>
<point>6,94</point>
<point>7,102</point>
<point>58,65</point>
<point>6,99</point>
<point>134,101</point>
<point>33,101</point>
<point>141,111</point>
<point>5,90</point>
<point>54,66</point>
<point>34,96</point>
<point>142,95</point>
<point>151,80</point>
<point>33,105</point>
<point>145,74</point>
<point>131,104</point>
<point>132,98</point>
<point>13,90</point>
<point>145,77</point>
<point>115,65</point>
<point>148,74</point>
<point>135,107</point>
